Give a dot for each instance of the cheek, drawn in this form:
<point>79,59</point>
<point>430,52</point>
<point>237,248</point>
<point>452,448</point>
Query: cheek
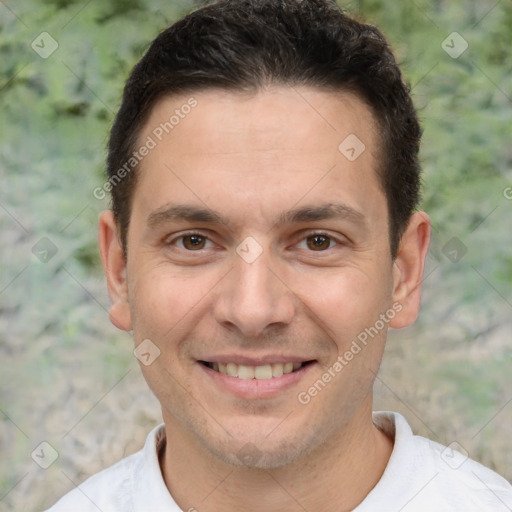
<point>167,304</point>
<point>345,301</point>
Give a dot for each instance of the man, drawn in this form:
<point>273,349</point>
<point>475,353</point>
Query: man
<point>264,176</point>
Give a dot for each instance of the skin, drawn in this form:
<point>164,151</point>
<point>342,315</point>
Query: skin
<point>251,158</point>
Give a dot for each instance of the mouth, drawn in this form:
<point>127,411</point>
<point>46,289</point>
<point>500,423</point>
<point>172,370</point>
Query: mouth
<point>261,372</point>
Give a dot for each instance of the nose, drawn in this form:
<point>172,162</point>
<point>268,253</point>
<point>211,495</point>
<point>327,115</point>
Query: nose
<point>254,299</point>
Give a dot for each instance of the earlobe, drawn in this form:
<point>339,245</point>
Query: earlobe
<point>114,265</point>
<point>408,269</point>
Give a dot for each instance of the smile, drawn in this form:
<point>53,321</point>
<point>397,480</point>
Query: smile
<point>263,372</point>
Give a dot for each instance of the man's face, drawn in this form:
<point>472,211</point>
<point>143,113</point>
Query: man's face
<point>255,241</point>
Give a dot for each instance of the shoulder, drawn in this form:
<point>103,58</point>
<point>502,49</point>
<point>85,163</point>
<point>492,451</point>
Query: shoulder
<point>463,480</point>
<point>107,490</point>
<point>116,488</point>
<point>425,475</point>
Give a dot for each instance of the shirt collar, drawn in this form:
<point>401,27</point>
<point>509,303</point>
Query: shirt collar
<point>148,485</point>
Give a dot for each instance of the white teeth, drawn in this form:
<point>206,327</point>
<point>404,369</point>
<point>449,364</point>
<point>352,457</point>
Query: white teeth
<point>232,370</point>
<point>277,370</point>
<point>245,372</point>
<point>263,372</point>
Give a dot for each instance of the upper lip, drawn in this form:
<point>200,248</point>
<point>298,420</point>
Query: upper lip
<point>255,360</point>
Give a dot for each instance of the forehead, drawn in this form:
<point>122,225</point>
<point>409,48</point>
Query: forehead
<point>220,117</point>
<point>263,150</point>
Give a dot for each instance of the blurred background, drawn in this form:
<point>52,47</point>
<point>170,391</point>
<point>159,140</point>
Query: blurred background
<point>68,378</point>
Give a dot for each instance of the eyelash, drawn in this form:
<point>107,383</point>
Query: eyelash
<point>302,239</point>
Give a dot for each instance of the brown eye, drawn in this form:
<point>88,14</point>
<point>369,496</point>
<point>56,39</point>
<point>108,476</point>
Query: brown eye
<point>318,242</point>
<point>194,242</point>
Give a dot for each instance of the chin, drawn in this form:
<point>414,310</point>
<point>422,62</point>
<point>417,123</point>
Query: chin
<point>251,457</point>
<point>258,453</point>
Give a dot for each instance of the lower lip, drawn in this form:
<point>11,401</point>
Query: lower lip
<point>255,388</point>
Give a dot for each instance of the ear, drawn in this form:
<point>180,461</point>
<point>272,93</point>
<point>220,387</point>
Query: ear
<point>408,269</point>
<point>114,265</point>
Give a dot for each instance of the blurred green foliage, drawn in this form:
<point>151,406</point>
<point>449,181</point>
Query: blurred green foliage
<point>465,108</point>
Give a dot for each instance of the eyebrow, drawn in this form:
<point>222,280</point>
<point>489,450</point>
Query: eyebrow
<point>170,213</point>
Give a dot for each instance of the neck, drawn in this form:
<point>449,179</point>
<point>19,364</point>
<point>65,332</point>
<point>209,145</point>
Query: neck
<point>335,477</point>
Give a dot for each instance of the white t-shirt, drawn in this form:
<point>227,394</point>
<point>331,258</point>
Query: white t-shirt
<point>421,476</point>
